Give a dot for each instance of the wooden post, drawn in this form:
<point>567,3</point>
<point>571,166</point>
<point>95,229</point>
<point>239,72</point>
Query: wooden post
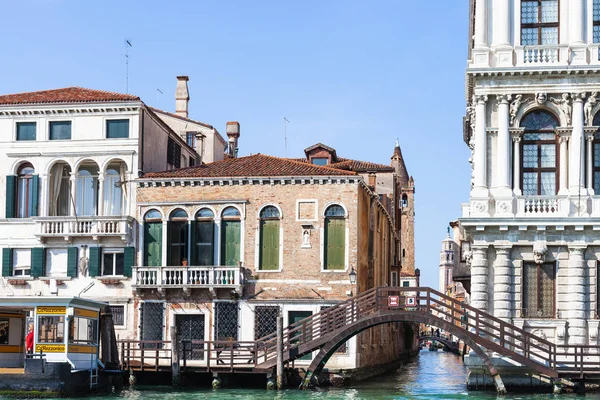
<point>175,371</point>
<point>280,353</point>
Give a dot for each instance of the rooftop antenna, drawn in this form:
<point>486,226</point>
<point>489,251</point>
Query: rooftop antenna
<point>127,46</point>
<point>286,121</point>
<point>157,92</point>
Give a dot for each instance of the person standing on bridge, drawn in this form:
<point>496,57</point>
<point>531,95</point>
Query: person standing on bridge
<point>29,340</point>
<point>437,332</point>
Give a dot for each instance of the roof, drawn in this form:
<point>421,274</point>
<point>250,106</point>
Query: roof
<point>398,163</point>
<point>258,165</point>
<point>49,301</point>
<point>360,166</point>
<point>66,95</point>
<point>322,146</point>
<point>180,117</point>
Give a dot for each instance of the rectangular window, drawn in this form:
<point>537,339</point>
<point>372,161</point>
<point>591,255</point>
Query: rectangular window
<point>539,161</point>
<point>265,320</point>
<point>51,329</point>
<point>26,130</point>
<point>151,322</point>
<point>21,262</point>
<point>56,263</point>
<point>539,22</point>
<point>60,130</point>
<point>319,161</point>
<point>4,325</point>
<point>113,262</point>
<point>173,153</point>
<point>117,128</point>
<point>405,284</point>
<point>394,279</point>
<point>596,15</point>
<point>118,314</point>
<point>226,321</point>
<point>83,330</point>
<point>538,290</point>
<point>190,138</point>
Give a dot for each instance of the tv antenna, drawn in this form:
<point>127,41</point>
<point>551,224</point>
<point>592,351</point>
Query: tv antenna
<point>286,121</point>
<point>157,92</point>
<point>127,46</point>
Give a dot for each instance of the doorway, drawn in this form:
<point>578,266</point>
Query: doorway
<point>293,317</point>
<point>191,327</point>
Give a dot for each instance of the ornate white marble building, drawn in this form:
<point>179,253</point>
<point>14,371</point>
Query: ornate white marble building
<point>532,125</point>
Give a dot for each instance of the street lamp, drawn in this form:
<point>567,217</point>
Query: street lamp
<point>352,276</point>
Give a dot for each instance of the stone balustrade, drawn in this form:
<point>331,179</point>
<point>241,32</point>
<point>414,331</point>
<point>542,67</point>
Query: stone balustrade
<point>71,226</point>
<point>187,277</point>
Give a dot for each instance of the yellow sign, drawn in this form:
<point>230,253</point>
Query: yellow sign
<point>51,310</point>
<point>73,348</point>
<point>50,348</point>
<point>80,312</point>
<point>10,348</point>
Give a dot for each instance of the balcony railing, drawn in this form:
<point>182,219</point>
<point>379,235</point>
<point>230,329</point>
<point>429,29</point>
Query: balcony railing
<point>109,226</point>
<point>187,277</point>
<point>538,55</point>
<point>539,205</point>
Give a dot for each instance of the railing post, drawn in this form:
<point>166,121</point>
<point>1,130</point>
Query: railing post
<point>208,356</point>
<point>175,367</point>
<point>279,352</point>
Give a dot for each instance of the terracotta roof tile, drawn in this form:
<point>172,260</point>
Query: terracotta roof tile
<point>356,165</point>
<point>258,165</point>
<point>65,95</point>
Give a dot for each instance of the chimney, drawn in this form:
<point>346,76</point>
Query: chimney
<point>233,133</point>
<point>182,96</point>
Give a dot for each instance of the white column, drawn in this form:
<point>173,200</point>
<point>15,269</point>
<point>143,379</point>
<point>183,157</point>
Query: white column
<point>481,25</point>
<point>562,176</point>
<point>577,287</point>
<point>502,283</point>
<point>503,160</point>
<point>480,158</point>
<point>576,21</point>
<point>516,138</point>
<point>73,202</point>
<point>501,23</point>
<point>479,278</point>
<point>100,210</point>
<point>590,162</point>
<point>576,167</point>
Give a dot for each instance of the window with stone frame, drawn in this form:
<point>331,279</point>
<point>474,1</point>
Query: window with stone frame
<point>335,238</point>
<point>226,321</point>
<point>265,320</point>
<point>268,259</point>
<point>118,314</point>
<point>539,22</point>
<point>539,160</point>
<point>203,240</point>
<point>539,292</point>
<point>177,238</point>
<point>596,18</point>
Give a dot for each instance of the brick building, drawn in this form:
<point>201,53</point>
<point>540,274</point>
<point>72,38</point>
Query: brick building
<point>226,247</point>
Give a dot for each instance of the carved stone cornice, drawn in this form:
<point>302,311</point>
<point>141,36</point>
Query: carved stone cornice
<point>516,134</point>
<point>578,96</point>
<point>590,132</point>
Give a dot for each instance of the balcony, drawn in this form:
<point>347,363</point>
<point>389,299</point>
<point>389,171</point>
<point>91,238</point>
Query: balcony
<point>94,227</point>
<point>540,55</point>
<point>187,278</point>
<point>557,55</point>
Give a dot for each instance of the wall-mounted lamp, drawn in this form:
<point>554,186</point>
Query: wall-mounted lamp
<point>352,276</point>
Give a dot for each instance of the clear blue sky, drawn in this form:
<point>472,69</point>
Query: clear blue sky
<point>354,75</point>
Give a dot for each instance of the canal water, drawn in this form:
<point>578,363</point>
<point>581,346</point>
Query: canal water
<point>432,375</point>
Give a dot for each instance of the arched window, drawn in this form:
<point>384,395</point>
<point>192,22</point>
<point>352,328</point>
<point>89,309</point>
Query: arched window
<point>203,233</point>
<point>113,190</point>
<point>60,190</point>
<point>596,155</point>
<point>230,236</point>
<point>153,239</point>
<point>87,190</point>
<point>27,192</point>
<point>177,242</point>
<point>335,238</point>
<point>539,160</point>
<point>269,239</point>
<point>404,201</point>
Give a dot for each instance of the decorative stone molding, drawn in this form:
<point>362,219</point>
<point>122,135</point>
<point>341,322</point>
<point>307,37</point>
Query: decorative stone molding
<point>540,98</point>
<point>564,104</point>
<point>515,106</point>
<point>503,98</point>
<point>590,132</point>
<point>588,108</point>
<point>504,206</point>
<point>480,206</point>
<point>467,255</point>
<point>516,134</point>
<point>480,99</point>
<point>564,134</point>
<point>540,249</point>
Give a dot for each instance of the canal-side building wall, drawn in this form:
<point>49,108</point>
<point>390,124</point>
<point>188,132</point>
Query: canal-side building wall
<point>305,203</point>
<point>532,127</point>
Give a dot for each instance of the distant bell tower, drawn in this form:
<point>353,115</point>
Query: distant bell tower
<point>447,259</point>
<point>405,219</point>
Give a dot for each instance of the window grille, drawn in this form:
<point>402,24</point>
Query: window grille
<point>539,22</point>
<point>538,290</point>
<point>226,321</point>
<point>118,315</point>
<point>265,320</point>
<point>343,349</point>
<point>151,323</point>
<point>191,327</point>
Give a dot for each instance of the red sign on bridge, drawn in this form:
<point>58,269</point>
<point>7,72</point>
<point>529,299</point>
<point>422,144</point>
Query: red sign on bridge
<point>393,301</point>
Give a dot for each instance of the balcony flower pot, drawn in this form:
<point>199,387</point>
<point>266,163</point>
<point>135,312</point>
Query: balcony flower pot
<point>184,262</point>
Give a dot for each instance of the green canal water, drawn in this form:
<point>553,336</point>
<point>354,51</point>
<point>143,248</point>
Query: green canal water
<point>432,375</point>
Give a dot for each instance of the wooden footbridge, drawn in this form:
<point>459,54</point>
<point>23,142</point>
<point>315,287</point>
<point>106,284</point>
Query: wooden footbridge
<point>326,331</point>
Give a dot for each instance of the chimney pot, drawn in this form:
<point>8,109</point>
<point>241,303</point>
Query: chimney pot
<point>232,129</point>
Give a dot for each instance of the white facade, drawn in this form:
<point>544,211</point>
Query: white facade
<point>447,258</point>
<point>532,126</point>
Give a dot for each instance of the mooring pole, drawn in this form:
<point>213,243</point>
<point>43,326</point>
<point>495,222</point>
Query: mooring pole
<point>279,352</point>
<point>175,370</point>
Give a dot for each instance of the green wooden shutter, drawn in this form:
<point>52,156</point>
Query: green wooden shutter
<point>230,239</point>
<point>153,244</point>
<point>7,261</point>
<point>95,262</point>
<point>269,245</point>
<point>335,243</point>
<point>72,262</point>
<point>169,242</point>
<point>38,261</point>
<point>192,243</point>
<point>11,182</point>
<point>35,196</point>
<point>128,260</point>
